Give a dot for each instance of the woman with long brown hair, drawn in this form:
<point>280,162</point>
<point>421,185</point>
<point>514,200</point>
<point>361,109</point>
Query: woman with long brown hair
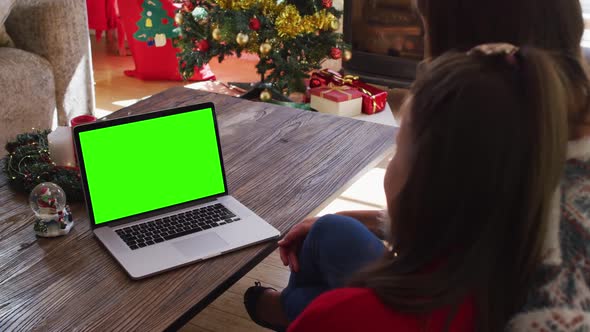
<point>480,153</point>
<point>559,293</point>
<point>553,25</point>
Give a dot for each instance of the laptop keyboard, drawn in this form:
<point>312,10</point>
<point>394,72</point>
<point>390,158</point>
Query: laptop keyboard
<point>171,227</point>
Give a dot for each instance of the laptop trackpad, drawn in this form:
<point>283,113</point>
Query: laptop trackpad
<point>208,243</point>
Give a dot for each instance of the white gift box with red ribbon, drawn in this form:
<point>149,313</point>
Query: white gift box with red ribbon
<point>335,99</point>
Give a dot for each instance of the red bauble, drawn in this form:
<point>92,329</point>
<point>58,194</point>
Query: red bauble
<point>327,3</point>
<point>254,24</point>
<point>202,45</point>
<point>314,83</point>
<point>188,6</point>
<point>335,53</point>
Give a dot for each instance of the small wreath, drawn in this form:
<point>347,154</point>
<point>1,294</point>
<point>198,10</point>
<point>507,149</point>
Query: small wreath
<point>28,163</point>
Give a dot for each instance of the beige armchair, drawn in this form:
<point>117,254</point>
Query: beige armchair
<point>46,78</point>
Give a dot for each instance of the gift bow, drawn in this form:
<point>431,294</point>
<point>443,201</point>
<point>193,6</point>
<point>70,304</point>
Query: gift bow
<point>349,79</point>
<point>339,79</point>
<point>370,95</point>
<point>338,88</point>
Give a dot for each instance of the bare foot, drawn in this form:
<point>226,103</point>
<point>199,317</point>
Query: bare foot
<point>270,309</point>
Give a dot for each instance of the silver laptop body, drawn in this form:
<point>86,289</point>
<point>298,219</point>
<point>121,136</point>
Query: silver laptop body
<point>187,240</point>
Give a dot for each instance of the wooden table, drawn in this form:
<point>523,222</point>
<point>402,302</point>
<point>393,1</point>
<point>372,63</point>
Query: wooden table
<point>281,162</point>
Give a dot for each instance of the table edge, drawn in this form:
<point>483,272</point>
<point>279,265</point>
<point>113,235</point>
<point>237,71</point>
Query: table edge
<point>222,288</point>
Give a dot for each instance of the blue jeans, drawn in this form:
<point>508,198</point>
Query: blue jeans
<point>335,248</point>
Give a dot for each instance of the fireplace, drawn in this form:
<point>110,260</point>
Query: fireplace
<point>386,38</point>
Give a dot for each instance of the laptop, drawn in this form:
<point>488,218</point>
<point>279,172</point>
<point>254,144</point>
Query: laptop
<point>156,191</point>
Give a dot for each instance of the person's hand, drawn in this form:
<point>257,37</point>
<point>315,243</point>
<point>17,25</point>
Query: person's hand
<point>290,244</point>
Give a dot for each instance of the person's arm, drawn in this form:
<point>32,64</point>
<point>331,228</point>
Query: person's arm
<point>395,99</point>
<point>374,220</point>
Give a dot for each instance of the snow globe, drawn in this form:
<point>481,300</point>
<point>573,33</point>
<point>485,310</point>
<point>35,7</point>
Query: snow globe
<point>52,215</point>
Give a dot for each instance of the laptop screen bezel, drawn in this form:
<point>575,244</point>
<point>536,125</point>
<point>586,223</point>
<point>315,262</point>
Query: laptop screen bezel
<point>135,118</point>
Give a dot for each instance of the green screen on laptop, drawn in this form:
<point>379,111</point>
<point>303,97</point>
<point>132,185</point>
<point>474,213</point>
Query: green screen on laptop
<point>150,164</point>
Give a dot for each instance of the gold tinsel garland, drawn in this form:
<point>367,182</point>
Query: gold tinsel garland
<point>289,22</point>
<point>268,6</point>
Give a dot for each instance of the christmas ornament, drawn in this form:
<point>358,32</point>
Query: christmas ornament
<point>265,95</point>
<point>200,14</point>
<point>202,45</point>
<point>347,55</point>
<point>216,34</point>
<point>178,32</point>
<point>335,53</point>
<point>334,24</point>
<point>327,3</point>
<point>188,6</point>
<point>242,39</point>
<point>178,18</point>
<point>254,24</point>
<point>265,48</point>
<point>53,216</point>
<point>314,83</point>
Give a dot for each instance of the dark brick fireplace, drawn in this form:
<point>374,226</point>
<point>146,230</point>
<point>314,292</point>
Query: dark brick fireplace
<point>386,38</point>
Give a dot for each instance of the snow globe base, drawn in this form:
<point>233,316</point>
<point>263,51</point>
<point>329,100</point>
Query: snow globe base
<point>61,225</point>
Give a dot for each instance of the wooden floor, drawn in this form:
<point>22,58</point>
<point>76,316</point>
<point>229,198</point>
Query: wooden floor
<point>114,90</point>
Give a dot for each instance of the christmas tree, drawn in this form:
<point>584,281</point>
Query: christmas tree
<point>155,26</point>
<point>292,38</point>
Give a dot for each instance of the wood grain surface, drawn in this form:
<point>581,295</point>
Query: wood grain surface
<point>280,162</point>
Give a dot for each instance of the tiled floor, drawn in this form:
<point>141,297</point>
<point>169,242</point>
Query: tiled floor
<point>114,90</point>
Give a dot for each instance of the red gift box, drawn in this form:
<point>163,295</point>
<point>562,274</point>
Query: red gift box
<point>374,99</point>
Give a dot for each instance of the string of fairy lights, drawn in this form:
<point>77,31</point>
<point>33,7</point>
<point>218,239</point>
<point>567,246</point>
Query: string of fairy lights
<point>29,163</point>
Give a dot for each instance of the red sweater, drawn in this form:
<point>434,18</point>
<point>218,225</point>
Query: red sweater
<point>359,309</point>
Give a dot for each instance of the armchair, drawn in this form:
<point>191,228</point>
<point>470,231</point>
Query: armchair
<point>46,79</point>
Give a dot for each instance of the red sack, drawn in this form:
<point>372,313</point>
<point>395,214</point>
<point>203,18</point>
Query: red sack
<point>154,63</point>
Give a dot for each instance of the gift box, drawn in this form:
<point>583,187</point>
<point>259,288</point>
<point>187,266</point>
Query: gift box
<point>327,76</point>
<point>374,99</point>
<point>336,99</point>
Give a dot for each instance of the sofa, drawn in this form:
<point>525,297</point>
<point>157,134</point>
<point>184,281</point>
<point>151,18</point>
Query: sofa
<point>45,65</point>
